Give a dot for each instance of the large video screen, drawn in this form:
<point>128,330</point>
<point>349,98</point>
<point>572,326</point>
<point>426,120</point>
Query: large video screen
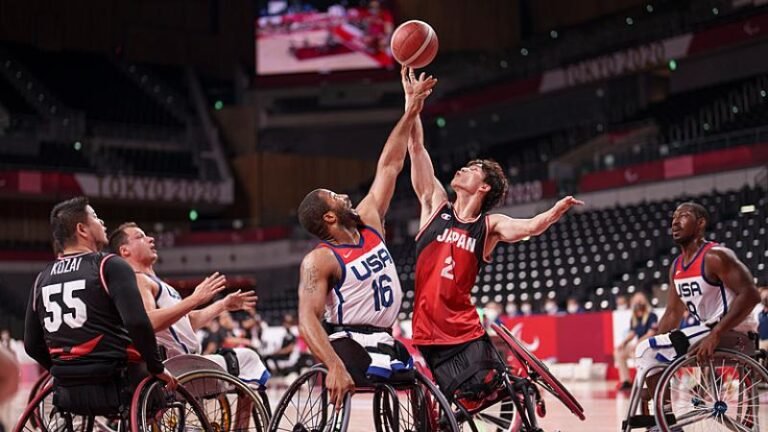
<point>306,36</point>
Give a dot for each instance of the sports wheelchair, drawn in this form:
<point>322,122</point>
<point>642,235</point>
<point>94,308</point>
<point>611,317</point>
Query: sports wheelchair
<point>516,400</point>
<point>97,396</point>
<point>727,392</point>
<point>226,403</point>
<point>407,403</point>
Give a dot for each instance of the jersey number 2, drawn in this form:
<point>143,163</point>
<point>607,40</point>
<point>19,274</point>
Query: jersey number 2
<point>74,319</point>
<point>447,272</point>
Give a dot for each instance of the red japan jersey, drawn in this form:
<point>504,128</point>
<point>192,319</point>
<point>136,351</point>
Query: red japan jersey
<point>449,256</point>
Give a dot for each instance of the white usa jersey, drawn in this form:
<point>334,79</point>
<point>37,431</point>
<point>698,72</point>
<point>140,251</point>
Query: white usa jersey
<point>368,292</point>
<point>179,338</point>
<point>706,300</point>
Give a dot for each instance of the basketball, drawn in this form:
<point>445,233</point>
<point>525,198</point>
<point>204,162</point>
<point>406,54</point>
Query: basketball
<point>414,44</point>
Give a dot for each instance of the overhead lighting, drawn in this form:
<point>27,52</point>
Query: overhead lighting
<point>672,65</point>
<point>750,208</point>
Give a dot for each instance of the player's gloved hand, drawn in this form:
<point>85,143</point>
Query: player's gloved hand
<point>170,381</point>
<point>339,383</point>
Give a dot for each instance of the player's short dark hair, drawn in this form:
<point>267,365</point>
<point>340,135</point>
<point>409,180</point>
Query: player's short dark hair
<point>311,211</point>
<point>64,219</point>
<point>119,237</point>
<point>495,178</point>
<point>698,210</point>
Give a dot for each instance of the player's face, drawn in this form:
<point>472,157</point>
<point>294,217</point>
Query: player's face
<point>341,205</point>
<point>685,225</point>
<point>470,179</point>
<point>140,246</point>
<point>96,228</point>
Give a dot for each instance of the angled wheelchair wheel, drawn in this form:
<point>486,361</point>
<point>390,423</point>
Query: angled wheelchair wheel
<point>497,415</point>
<point>725,393</point>
<point>41,416</point>
<point>154,408</point>
<point>228,403</point>
<point>304,407</point>
<point>538,371</point>
<point>411,407</point>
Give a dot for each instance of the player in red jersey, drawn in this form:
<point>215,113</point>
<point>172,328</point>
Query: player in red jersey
<point>350,281</point>
<point>453,241</point>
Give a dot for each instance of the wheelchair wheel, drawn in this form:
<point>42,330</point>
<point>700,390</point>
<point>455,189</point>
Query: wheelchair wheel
<point>41,415</point>
<point>228,402</point>
<point>725,393</point>
<point>412,407</point>
<point>538,372</point>
<point>304,407</point>
<point>154,408</point>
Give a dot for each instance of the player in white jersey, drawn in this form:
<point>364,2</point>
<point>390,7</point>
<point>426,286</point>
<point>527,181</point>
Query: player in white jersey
<point>708,281</point>
<point>176,320</point>
<point>350,280</point>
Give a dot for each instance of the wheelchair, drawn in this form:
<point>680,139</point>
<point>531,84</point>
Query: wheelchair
<point>729,392</point>
<point>100,400</point>
<point>411,403</point>
<point>228,403</point>
<point>516,401</point>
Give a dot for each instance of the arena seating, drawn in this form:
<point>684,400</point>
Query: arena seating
<point>92,83</point>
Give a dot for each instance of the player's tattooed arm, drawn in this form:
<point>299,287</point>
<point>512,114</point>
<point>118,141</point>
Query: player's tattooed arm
<point>318,268</point>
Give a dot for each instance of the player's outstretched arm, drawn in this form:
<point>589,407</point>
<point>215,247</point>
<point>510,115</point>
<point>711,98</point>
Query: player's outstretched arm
<point>317,268</point>
<point>507,229</point>
<point>722,265</point>
<point>429,191</point>
<point>235,301</point>
<point>374,206</point>
<point>163,318</point>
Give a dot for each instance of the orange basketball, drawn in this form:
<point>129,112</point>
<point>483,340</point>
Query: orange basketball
<point>414,44</point>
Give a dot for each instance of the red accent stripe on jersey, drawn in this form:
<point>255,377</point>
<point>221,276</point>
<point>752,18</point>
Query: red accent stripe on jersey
<point>101,272</point>
<point>467,221</point>
<point>62,257</point>
<point>133,354</point>
<point>487,257</point>
<point>693,268</point>
<point>78,350</point>
<point>431,218</point>
<point>369,239</point>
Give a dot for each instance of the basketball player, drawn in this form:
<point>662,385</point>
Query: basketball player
<point>174,320</point>
<point>84,307</point>
<point>454,240</point>
<point>708,281</point>
<point>350,279</point>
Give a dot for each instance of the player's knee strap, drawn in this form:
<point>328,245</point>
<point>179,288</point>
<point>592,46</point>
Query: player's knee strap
<point>679,342</point>
<point>230,358</point>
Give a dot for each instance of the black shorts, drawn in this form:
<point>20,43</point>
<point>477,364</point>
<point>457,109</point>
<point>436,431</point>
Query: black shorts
<point>469,370</point>
<point>357,360</point>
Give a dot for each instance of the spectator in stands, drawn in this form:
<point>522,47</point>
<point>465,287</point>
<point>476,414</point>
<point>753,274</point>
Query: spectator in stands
<point>213,338</point>
<point>235,335</point>
<point>551,308</point>
<point>573,306</point>
<point>762,318</point>
<point>284,359</point>
<point>492,314</point>
<point>688,320</point>
<point>621,303</point>
<point>5,340</point>
<point>511,309</point>
<point>642,325</point>
<point>526,309</point>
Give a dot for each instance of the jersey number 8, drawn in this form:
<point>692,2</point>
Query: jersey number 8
<point>74,319</point>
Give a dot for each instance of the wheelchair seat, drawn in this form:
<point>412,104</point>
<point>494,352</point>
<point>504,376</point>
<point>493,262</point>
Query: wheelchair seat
<point>92,389</point>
